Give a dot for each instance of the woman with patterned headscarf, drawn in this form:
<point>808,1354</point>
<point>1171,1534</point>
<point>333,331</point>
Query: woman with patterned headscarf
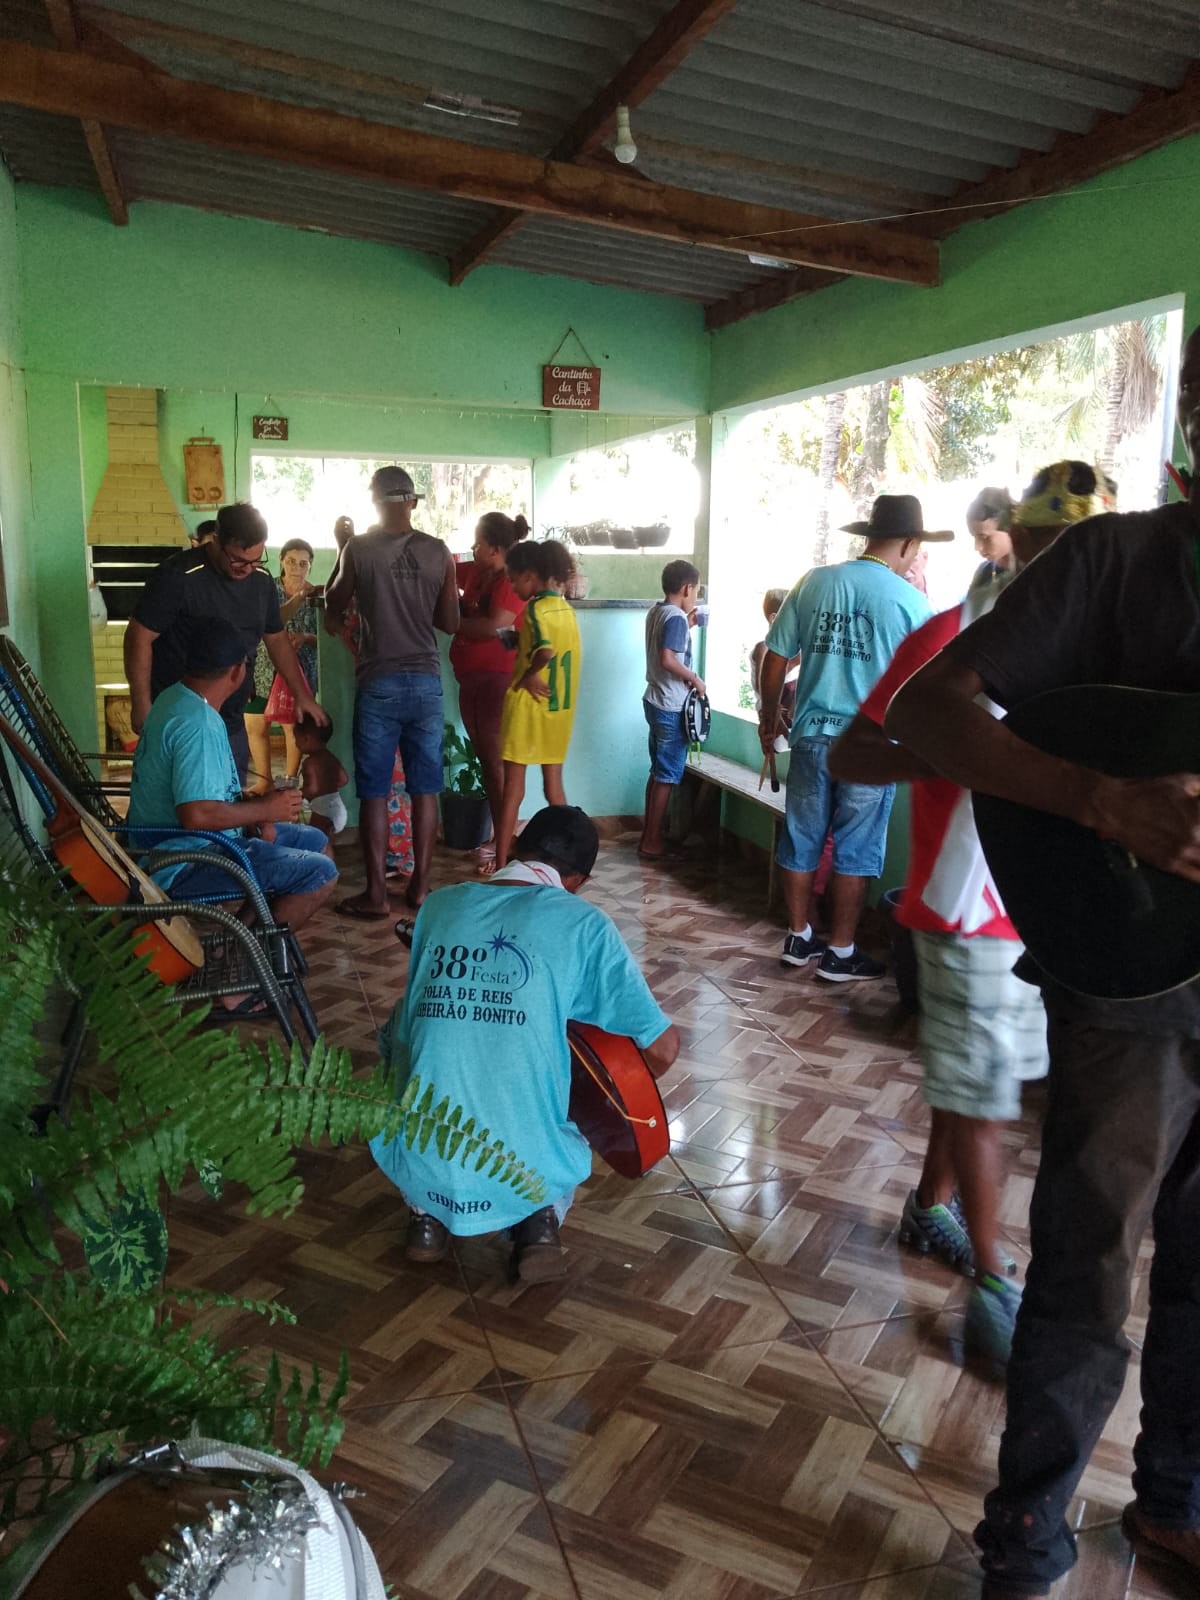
<point>983,1030</point>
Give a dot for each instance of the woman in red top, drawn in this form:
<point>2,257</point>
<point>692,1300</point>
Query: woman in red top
<point>482,664</point>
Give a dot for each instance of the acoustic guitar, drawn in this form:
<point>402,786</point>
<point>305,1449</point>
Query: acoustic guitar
<point>97,864</point>
<point>1094,918</point>
<point>615,1102</point>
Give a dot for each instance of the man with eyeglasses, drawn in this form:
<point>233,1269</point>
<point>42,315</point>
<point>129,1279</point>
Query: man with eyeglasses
<point>224,579</point>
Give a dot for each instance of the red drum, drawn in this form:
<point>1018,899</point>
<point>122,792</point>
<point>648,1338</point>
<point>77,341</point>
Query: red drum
<point>615,1102</point>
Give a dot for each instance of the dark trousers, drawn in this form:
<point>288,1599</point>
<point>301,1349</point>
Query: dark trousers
<point>240,745</point>
<point>1121,1147</point>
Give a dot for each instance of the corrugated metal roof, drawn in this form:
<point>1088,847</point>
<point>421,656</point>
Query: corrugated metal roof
<point>197,175</point>
<point>923,95</point>
<point>604,255</point>
<point>845,108</point>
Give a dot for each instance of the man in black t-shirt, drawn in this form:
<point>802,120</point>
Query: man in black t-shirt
<point>221,579</point>
<point>1115,601</point>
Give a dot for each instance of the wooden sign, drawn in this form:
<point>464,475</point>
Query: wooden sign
<point>571,388</point>
<point>203,472</point>
<point>275,428</point>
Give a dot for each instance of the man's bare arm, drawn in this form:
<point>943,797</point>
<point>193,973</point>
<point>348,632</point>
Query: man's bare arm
<point>446,612</point>
<point>935,715</point>
<point>770,681</point>
<point>865,754</point>
<point>139,660</point>
<point>661,1055</point>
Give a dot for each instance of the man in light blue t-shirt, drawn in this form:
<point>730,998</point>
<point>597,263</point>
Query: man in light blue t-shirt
<point>498,970</point>
<point>846,623</point>
<point>184,778</point>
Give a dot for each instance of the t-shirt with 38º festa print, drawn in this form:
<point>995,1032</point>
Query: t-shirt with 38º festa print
<point>497,972</point>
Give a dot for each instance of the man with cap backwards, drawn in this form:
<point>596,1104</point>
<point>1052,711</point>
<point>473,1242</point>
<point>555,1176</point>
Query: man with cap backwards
<point>403,582</point>
<point>1115,600</point>
<point>845,622</point>
<point>184,776</point>
<point>498,970</point>
<point>983,1028</point>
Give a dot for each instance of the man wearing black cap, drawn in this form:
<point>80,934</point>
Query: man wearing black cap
<point>184,776</point>
<point>498,969</point>
<point>845,622</point>
<point>404,584</point>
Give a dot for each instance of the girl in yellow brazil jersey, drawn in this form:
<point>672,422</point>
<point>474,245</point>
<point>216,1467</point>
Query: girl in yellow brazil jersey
<point>539,706</point>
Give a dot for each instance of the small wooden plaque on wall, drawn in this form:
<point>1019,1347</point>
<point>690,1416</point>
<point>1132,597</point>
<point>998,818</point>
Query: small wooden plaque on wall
<point>571,388</point>
<point>204,472</point>
<point>274,428</point>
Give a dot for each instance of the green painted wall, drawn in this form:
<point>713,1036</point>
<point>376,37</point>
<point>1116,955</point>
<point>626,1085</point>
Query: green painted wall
<point>15,508</point>
<point>363,347</point>
<point>1123,238</point>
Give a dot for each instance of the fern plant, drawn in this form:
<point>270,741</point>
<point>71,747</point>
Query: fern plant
<point>99,1357</point>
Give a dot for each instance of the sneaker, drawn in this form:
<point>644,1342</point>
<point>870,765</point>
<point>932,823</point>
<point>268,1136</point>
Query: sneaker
<point>427,1239</point>
<point>797,951</point>
<point>991,1318</point>
<point>937,1231</point>
<point>1008,1267</point>
<point>844,969</point>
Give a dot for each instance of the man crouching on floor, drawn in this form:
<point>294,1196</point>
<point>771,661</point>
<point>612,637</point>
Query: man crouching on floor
<point>498,969</point>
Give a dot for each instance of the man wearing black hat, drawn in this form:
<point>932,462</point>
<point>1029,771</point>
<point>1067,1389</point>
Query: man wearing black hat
<point>498,969</point>
<point>845,622</point>
<point>184,776</point>
<point>404,584</point>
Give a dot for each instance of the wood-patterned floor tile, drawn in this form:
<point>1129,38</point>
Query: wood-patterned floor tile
<point>744,1389</point>
<point>761,1472</point>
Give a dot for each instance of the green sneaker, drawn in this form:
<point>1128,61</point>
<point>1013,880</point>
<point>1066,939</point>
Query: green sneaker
<point>936,1230</point>
<point>991,1318</point>
<point>1008,1266</point>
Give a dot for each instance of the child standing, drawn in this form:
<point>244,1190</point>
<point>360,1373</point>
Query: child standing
<point>669,677</point>
<point>539,704</point>
<point>321,776</point>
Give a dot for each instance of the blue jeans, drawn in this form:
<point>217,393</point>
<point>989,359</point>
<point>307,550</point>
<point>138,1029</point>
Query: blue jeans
<point>855,813</point>
<point>1121,1145</point>
<point>668,743</point>
<point>292,863</point>
<point>398,711</point>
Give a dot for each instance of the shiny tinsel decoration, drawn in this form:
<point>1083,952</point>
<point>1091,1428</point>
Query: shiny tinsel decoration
<point>264,1529</point>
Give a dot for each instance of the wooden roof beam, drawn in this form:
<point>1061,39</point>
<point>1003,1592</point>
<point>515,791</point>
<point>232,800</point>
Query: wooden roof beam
<point>66,32</point>
<point>1159,118</point>
<point>71,84</point>
<point>683,27</point>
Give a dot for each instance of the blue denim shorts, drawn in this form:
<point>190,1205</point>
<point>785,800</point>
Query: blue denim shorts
<point>292,863</point>
<point>668,743</point>
<point>398,711</point>
<point>855,813</point>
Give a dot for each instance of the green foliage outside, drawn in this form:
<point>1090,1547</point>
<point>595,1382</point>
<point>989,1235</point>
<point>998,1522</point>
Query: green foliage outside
<point>99,1352</point>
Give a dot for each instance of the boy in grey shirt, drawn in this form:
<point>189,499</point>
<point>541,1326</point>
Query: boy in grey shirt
<point>669,677</point>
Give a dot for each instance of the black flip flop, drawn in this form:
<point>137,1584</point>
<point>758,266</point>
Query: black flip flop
<point>346,908</point>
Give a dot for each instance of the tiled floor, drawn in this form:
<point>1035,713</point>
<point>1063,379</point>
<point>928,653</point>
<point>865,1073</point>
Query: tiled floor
<point>744,1388</point>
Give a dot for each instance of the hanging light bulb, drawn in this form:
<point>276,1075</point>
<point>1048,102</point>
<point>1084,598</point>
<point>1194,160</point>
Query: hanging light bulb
<point>625,150</point>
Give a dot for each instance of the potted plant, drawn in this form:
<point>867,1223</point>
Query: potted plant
<point>102,1353</point>
<point>466,821</point>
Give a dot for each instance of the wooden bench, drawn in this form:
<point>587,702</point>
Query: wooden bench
<point>734,778</point>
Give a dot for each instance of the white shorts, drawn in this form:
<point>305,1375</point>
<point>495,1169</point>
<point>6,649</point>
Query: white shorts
<point>331,806</point>
<point>983,1029</point>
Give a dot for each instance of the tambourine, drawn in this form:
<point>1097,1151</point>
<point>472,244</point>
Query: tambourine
<point>697,718</point>
<point>615,1102</point>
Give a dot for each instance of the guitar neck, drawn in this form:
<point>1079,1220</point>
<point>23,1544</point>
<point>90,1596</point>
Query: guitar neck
<point>67,811</point>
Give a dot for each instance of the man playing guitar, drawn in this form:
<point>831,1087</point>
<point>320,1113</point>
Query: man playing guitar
<point>1114,601</point>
